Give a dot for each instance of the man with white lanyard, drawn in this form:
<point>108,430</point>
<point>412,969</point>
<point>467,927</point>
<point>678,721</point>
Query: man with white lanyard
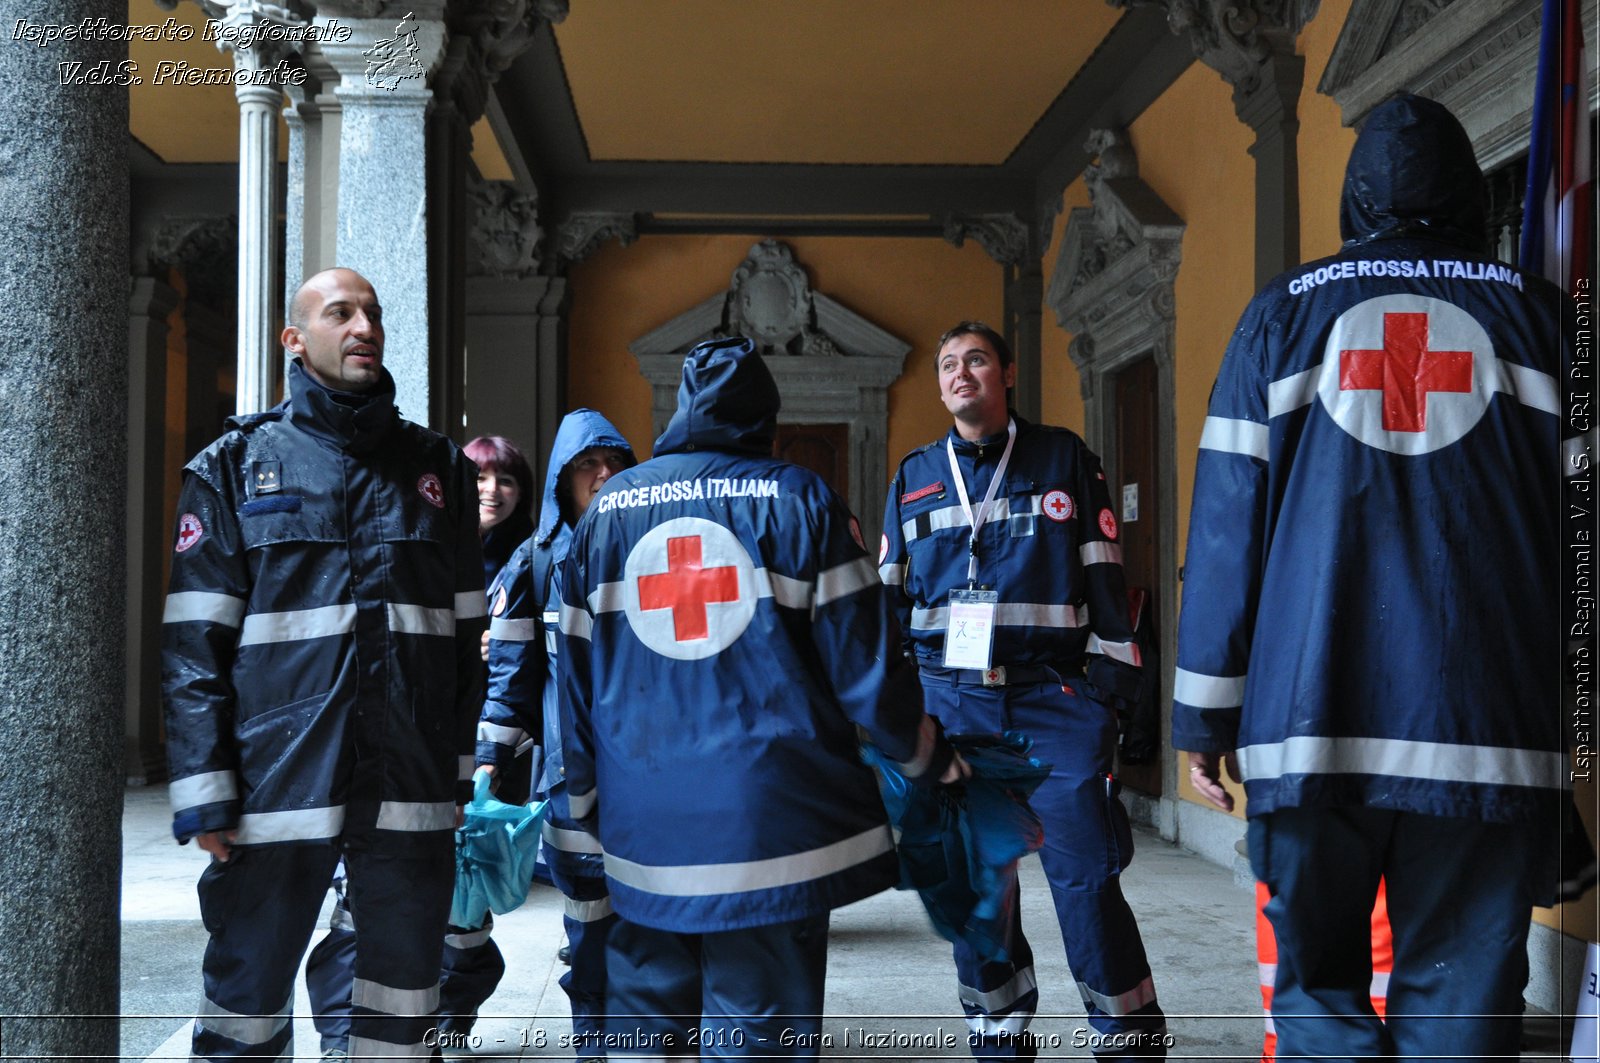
<point>1005,605</point>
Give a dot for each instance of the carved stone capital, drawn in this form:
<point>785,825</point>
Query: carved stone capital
<point>1003,237</point>
<point>1236,38</point>
<point>582,232</point>
<point>505,235</point>
<point>253,30</point>
<point>204,250</point>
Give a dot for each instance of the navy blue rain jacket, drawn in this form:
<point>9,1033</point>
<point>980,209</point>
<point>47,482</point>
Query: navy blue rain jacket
<point>522,697</point>
<point>723,633</point>
<point>320,660</point>
<point>1371,609</point>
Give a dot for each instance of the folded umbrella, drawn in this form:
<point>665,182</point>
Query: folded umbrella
<point>496,849</point>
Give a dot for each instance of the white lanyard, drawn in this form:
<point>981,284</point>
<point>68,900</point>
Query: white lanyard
<point>976,519</point>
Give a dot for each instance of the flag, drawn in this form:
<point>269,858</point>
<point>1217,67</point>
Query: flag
<point>1557,215</point>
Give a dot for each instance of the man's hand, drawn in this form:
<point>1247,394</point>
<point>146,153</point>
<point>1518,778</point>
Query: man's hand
<point>218,843</point>
<point>483,647</point>
<point>1205,775</point>
<point>958,771</point>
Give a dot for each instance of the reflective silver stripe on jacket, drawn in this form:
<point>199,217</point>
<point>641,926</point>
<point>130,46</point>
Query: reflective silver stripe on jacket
<point>392,1000</point>
<point>421,620</point>
<point>580,805</point>
<point>1126,652</point>
<point>1001,997</point>
<point>417,815</point>
<point>608,598</point>
<point>841,581</point>
<point>1100,553</point>
<point>1403,758</point>
<point>892,575</point>
<point>700,880</point>
<point>575,622</point>
<point>1528,386</point>
<point>296,625</point>
<point>1235,435</point>
<point>1120,1003</point>
<point>1010,614</point>
<point>785,590</point>
<point>470,605</point>
<point>1208,691</point>
<point>246,1029</point>
<point>205,789</point>
<point>569,841</point>
<point>503,630</point>
<point>499,734</point>
<point>185,606</point>
<point>369,1048</point>
<point>588,911</point>
<point>1292,392</point>
<point>947,517</point>
<point>295,825</point>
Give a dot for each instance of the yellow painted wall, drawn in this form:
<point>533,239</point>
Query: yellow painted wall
<point>1063,401</point>
<point>1194,153</point>
<point>912,288</point>
<point>1324,142</point>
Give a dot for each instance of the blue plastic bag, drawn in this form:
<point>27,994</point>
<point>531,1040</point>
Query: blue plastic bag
<point>959,845</point>
<point>496,849</point>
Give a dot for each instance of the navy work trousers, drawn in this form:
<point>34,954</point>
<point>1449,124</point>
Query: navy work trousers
<point>753,993</point>
<point>1087,843</point>
<point>1460,895</point>
<point>261,908</point>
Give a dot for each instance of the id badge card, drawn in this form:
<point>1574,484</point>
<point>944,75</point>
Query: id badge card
<point>969,632</point>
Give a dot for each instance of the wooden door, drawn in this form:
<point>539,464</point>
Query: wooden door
<point>1136,501</point>
<point>822,448</point>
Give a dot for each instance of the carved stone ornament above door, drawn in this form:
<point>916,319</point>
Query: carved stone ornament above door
<point>831,364</point>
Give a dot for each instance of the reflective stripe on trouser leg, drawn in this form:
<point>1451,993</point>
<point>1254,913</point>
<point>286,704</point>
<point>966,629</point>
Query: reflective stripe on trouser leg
<point>261,909</point>
<point>402,905</point>
<point>588,920</point>
<point>472,968</point>
<point>1087,843</point>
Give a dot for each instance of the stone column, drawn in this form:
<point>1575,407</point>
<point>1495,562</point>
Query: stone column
<point>1251,43</point>
<point>312,116</point>
<point>148,524</point>
<point>260,98</point>
<point>384,68</point>
<point>64,390</point>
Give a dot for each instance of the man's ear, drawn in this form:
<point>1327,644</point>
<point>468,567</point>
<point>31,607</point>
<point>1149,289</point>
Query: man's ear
<point>1010,375</point>
<point>292,340</point>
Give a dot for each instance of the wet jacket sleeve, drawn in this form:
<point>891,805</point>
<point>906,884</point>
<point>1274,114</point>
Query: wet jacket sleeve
<point>199,637</point>
<point>514,706</point>
<point>1113,664</point>
<point>575,673</point>
<point>861,652</point>
<point>894,561</point>
<point>471,619</point>
<point>1222,564</point>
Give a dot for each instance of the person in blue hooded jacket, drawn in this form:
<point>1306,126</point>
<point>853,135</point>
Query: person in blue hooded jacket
<point>1371,620</point>
<point>521,705</point>
<point>723,634</point>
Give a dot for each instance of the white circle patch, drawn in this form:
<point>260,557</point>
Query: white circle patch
<point>431,489</point>
<point>190,531</point>
<point>689,588</point>
<point>1057,505</point>
<point>1408,374</point>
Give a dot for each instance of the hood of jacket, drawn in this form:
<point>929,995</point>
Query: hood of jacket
<point>727,401</point>
<point>1412,173</point>
<point>580,430</point>
<point>356,422</point>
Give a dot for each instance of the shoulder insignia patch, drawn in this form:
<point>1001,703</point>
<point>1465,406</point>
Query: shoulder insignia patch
<point>922,492</point>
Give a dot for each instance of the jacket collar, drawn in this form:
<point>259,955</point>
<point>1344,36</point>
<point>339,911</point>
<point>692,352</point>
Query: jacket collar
<point>988,444</point>
<point>351,422</point>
